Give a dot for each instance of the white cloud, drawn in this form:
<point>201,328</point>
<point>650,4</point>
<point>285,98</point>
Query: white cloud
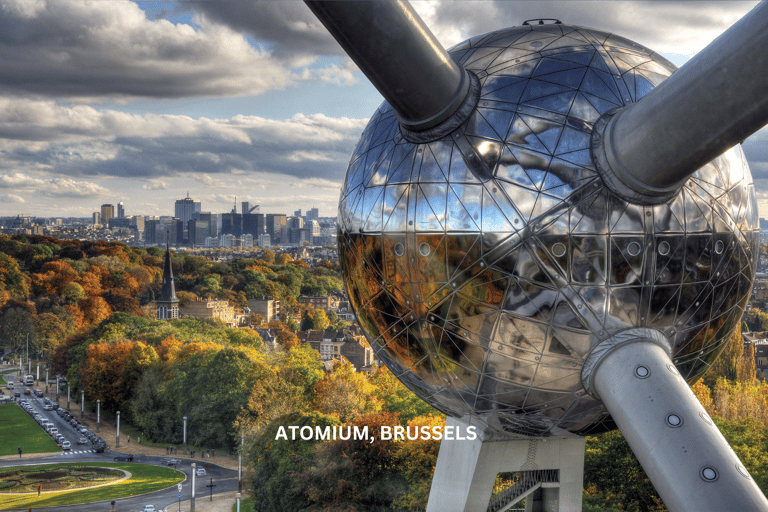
<point>11,198</point>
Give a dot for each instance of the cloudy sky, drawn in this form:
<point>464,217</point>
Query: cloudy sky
<point>143,102</point>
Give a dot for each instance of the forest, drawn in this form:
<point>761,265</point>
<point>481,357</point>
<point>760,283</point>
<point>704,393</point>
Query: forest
<point>87,308</point>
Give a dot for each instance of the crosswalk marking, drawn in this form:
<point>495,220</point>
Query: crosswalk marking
<point>75,452</point>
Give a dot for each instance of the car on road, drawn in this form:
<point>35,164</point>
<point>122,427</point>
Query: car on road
<point>124,458</point>
<point>38,393</point>
<point>174,462</point>
<point>17,394</point>
<point>82,440</point>
<point>148,508</point>
<point>66,445</point>
<point>200,471</point>
<point>27,392</point>
<point>99,448</point>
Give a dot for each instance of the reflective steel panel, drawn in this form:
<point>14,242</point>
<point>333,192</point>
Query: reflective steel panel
<point>484,266</point>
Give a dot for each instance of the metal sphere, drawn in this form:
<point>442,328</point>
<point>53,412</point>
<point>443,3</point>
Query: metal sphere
<point>484,266</point>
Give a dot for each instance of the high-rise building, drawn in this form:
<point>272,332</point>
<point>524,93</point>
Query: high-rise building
<point>107,212</point>
<point>213,220</point>
<point>313,214</point>
<point>96,218</point>
<point>247,208</point>
<point>186,209</point>
<point>120,210</point>
<point>253,224</point>
<point>232,224</point>
<point>276,226</point>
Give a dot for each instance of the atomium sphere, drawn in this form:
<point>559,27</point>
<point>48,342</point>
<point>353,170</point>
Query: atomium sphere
<point>485,265</point>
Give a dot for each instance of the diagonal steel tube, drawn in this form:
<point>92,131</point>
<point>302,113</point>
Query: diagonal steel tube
<point>710,104</point>
<point>401,57</point>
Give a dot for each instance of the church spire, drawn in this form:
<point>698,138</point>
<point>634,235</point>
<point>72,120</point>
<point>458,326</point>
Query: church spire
<point>167,304</point>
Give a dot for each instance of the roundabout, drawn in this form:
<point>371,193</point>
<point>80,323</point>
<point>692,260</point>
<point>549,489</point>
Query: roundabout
<point>34,480</point>
<point>63,484</point>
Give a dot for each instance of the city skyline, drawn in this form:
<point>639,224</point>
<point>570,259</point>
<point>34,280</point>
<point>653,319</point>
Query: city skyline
<point>232,99</point>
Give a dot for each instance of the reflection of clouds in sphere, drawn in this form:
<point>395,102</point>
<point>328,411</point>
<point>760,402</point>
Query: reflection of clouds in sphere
<point>484,266</point>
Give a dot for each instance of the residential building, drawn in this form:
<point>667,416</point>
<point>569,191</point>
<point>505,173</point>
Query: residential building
<point>267,307</point>
<point>210,309</point>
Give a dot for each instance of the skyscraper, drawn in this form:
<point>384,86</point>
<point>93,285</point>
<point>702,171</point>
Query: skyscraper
<point>186,209</point>
<point>107,212</point>
<point>120,210</point>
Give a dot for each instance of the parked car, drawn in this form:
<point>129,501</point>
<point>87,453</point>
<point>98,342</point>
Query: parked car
<point>66,445</point>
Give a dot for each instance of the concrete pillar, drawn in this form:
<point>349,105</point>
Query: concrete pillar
<point>466,469</point>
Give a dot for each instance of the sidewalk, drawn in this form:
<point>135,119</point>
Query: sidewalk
<point>220,503</point>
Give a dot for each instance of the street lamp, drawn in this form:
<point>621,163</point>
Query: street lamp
<point>98,415</point>
<point>67,396</point>
<point>238,501</point>
<point>46,381</point>
<point>192,501</point>
<point>185,435</point>
<point>117,434</point>
<point>82,401</point>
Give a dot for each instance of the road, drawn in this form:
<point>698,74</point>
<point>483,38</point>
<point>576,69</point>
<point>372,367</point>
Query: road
<point>225,479</point>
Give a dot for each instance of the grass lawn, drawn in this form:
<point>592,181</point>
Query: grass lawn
<point>17,428</point>
<point>144,479</point>
<point>246,505</point>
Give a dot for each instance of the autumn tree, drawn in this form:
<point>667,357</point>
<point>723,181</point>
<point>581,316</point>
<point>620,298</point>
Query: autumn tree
<point>345,393</point>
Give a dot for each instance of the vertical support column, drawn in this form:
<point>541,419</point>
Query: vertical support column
<point>466,469</point>
<point>98,415</point>
<point>185,435</point>
<point>82,403</point>
<point>117,434</point>
<point>686,457</point>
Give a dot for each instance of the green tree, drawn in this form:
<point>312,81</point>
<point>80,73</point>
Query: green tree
<point>214,391</point>
<point>276,461</point>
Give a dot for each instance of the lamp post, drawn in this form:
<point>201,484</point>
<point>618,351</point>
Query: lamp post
<point>185,435</point>
<point>46,381</point>
<point>240,464</point>
<point>192,500</point>
<point>67,395</point>
<point>238,501</point>
<point>38,372</point>
<point>98,415</point>
<point>117,434</point>
<point>82,402</point>
<point>57,390</point>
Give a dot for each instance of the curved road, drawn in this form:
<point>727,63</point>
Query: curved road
<point>225,480</point>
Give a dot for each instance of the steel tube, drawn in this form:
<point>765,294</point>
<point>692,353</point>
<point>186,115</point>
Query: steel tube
<point>686,457</point>
<point>710,104</point>
<point>401,57</point>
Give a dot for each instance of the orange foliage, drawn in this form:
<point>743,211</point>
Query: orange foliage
<point>53,277</point>
<point>169,348</point>
<point>95,309</point>
<point>102,372</point>
<point>197,347</point>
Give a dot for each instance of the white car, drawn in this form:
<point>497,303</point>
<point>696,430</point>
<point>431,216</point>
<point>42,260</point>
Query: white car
<point>148,508</point>
<point>200,471</point>
<point>66,445</point>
